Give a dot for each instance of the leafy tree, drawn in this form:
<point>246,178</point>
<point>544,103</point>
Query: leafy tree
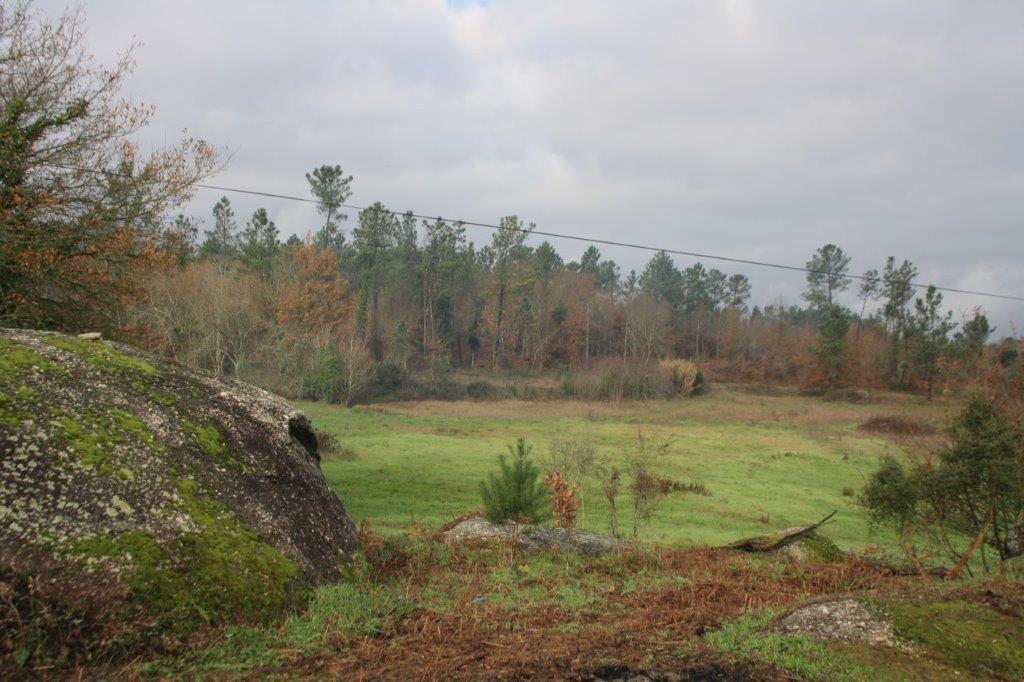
<point>82,207</point>
<point>259,242</point>
<point>331,188</point>
<point>515,493</point>
<point>929,335</point>
<point>827,275</point>
<point>972,495</point>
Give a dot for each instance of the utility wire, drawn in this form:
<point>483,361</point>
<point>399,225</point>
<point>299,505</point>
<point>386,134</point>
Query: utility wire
<point>579,238</point>
<point>605,242</point>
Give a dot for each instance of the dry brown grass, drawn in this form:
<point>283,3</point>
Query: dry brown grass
<point>634,629</point>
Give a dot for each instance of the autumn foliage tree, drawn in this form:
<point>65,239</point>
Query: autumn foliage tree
<point>82,209</point>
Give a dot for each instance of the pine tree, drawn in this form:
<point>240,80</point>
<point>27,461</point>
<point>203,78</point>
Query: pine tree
<point>222,241</point>
<point>826,275</point>
<point>332,188</point>
<point>833,327</point>
<point>516,492</point>
<point>259,243</point>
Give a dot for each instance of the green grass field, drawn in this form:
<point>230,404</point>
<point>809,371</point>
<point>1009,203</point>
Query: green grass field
<point>769,462</point>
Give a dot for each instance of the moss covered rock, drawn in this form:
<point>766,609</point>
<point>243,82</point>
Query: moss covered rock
<point>196,499</point>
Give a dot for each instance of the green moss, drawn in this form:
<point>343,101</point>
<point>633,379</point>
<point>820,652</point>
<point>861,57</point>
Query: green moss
<point>821,548</point>
<point>17,360</point>
<point>962,634</point>
<point>94,436</point>
<point>211,443</point>
<point>103,356</point>
<point>750,638</point>
<point>221,573</point>
<point>24,403</point>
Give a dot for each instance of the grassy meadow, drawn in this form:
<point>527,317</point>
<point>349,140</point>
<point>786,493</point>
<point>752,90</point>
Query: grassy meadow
<point>769,462</point>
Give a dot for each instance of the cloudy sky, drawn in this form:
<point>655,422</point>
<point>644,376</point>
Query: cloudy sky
<point>758,130</point>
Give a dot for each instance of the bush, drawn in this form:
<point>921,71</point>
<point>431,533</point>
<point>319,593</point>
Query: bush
<point>681,373</point>
<point>515,493</point>
<point>975,489</point>
<point>326,381</point>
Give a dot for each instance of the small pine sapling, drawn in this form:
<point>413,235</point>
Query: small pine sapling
<point>514,493</point>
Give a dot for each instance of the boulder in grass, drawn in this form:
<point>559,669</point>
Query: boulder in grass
<point>189,498</point>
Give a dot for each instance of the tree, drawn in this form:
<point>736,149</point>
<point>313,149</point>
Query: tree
<point>221,242</point>
<point>833,327</point>
<point>81,206</point>
<point>259,243</point>
<point>506,247</point>
<point>897,292</point>
<point>975,334</point>
<point>738,294</point>
<point>331,188</point>
<point>662,279</point>
<point>515,493</point>
<point>179,239</point>
<point>870,290</point>
<point>929,335</point>
<point>372,243</point>
<point>972,495</point>
<point>826,275</point>
<point>315,304</point>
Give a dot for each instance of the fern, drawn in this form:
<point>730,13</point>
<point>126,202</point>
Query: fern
<point>515,492</point>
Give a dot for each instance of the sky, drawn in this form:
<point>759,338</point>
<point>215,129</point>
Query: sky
<point>757,130</point>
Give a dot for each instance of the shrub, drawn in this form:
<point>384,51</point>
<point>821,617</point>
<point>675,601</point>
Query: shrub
<point>326,442</point>
<point>975,489</point>
<point>895,424</point>
<point>515,493</point>
<point>326,379</point>
<point>617,380</point>
<point>564,500</point>
<point>682,374</point>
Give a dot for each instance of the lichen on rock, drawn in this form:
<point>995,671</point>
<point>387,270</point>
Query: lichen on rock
<point>192,492</point>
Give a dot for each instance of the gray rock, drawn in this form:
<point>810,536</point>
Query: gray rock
<point>847,620</point>
<point>534,537</point>
<point>105,450</point>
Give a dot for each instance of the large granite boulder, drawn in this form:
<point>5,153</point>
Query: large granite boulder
<point>187,496</point>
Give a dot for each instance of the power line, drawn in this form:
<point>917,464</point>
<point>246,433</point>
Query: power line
<point>573,237</point>
<point>605,242</point>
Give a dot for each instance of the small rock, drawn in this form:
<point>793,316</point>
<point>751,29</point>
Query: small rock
<point>534,537</point>
<point>847,620</point>
<point>91,336</point>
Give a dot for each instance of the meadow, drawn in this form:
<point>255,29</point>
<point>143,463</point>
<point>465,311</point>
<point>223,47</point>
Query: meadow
<point>769,461</point>
<point>415,607</point>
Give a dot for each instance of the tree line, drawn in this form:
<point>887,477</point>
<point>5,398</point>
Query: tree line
<point>388,289</point>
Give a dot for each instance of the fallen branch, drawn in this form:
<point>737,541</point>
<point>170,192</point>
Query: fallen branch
<point>770,543</point>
